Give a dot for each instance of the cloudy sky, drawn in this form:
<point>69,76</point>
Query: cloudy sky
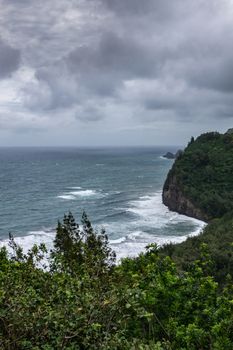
<point>114,72</point>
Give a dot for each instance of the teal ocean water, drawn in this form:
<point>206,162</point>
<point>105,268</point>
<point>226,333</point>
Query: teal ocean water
<point>119,188</point>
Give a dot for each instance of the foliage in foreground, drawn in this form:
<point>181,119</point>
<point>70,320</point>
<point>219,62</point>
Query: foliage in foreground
<point>218,236</point>
<point>84,301</point>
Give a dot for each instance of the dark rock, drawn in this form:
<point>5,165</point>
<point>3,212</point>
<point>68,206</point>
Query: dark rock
<point>175,200</point>
<point>169,155</point>
<point>178,153</point>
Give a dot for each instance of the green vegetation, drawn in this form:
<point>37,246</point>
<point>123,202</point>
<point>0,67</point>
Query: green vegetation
<point>218,238</point>
<point>204,172</point>
<point>82,300</point>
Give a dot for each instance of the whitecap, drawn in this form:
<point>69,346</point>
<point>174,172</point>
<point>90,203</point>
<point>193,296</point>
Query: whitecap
<point>80,193</point>
<point>137,235</point>
<point>117,241</point>
<point>75,188</point>
<point>83,193</point>
<point>67,197</point>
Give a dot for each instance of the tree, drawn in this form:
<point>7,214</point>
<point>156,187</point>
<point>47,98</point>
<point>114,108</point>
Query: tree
<point>81,250</point>
<point>191,141</point>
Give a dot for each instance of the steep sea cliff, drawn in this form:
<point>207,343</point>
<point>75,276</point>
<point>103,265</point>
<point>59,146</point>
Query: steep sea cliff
<point>175,199</point>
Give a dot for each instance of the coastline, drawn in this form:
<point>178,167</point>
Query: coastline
<point>132,243</point>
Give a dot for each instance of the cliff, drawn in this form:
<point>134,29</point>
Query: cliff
<point>174,198</point>
<point>200,183</point>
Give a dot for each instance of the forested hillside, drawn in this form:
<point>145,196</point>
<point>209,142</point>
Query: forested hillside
<point>200,183</point>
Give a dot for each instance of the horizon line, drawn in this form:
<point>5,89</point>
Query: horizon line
<point>90,146</point>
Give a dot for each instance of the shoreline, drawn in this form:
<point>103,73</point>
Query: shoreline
<point>131,244</point>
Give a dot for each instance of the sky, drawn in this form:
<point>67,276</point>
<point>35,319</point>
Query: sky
<point>114,72</point>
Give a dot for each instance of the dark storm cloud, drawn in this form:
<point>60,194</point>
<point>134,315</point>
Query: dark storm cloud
<point>214,74</point>
<point>193,35</point>
<point>137,57</point>
<point>111,61</point>
<point>161,9</point>
<point>129,6</point>
<point>160,104</point>
<point>9,59</point>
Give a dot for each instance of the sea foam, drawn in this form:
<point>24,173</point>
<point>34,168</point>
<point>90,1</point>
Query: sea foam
<point>156,222</point>
<point>80,193</point>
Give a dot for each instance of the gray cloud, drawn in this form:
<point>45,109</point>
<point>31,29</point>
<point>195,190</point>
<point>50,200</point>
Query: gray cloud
<point>216,74</point>
<point>89,114</point>
<point>111,61</point>
<point>128,62</point>
<point>9,59</point>
<point>130,7</point>
<point>162,10</point>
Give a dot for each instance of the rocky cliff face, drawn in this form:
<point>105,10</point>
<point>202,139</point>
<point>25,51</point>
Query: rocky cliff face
<point>175,200</point>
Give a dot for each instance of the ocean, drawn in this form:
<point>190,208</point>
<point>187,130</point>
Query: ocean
<point>119,188</point>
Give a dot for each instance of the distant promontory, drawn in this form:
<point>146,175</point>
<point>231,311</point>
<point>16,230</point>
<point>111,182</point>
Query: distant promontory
<point>170,155</point>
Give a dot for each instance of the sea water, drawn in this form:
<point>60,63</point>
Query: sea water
<point>119,188</point>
